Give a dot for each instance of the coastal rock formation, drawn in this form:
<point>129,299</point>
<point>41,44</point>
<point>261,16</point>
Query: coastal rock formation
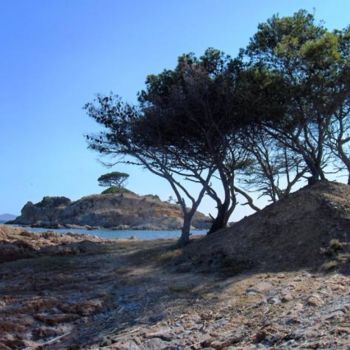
<point>16,243</point>
<point>120,211</point>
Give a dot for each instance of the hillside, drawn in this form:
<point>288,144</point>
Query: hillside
<point>6,217</point>
<point>119,211</point>
<point>309,229</point>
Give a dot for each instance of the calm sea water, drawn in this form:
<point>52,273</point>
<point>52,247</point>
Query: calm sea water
<point>105,233</point>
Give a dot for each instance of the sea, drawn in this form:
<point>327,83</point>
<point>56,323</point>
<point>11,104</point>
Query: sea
<point>105,233</point>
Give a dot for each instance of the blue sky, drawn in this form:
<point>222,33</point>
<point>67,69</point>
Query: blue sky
<point>56,55</point>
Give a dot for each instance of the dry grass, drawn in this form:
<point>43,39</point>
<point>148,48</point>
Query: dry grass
<point>168,255</point>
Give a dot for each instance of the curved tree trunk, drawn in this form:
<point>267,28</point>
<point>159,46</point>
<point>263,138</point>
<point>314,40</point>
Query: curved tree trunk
<point>185,231</point>
<point>222,218</point>
<point>226,207</point>
<point>315,170</point>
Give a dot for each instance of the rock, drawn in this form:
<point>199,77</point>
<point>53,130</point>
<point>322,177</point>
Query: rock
<point>89,307</point>
<point>226,339</point>
<point>127,345</point>
<point>15,250</point>
<point>342,330</point>
<point>106,341</point>
<point>10,326</point>
<point>334,315</point>
<point>154,344</point>
<point>54,319</point>
<point>286,297</point>
<point>314,300</point>
<point>274,300</point>
<point>44,332</point>
<point>261,287</point>
<point>162,333</point>
<point>260,336</point>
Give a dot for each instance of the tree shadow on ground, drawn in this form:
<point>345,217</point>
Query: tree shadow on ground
<point>129,284</point>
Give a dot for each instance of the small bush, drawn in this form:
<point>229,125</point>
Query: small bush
<point>114,189</point>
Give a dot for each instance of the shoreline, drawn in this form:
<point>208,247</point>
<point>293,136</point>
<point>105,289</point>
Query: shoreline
<point>118,234</point>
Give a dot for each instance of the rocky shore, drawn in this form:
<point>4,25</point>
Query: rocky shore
<point>65,291</point>
<point>129,294</point>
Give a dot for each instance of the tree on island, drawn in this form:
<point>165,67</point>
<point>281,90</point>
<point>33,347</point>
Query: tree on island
<point>114,179</point>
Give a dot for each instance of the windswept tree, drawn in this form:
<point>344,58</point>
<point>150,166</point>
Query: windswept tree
<point>301,60</point>
<point>115,179</point>
<point>195,110</point>
<point>123,139</point>
<point>339,131</point>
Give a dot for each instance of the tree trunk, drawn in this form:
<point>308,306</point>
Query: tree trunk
<point>316,172</point>
<point>221,219</point>
<point>185,231</point>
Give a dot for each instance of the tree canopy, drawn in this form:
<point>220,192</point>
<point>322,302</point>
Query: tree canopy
<point>115,178</point>
<point>307,67</point>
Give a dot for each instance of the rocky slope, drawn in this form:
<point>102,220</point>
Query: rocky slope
<point>309,229</point>
<point>121,211</point>
<point>16,243</point>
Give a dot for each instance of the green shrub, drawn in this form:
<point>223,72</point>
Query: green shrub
<point>114,189</point>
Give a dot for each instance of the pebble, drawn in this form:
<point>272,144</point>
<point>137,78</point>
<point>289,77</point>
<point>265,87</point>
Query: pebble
<point>314,300</point>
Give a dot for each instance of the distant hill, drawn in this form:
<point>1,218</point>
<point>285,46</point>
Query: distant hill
<point>7,217</point>
<point>117,211</point>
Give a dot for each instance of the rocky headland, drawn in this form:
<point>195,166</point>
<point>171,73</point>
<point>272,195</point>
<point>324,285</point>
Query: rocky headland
<point>279,279</point>
<point>116,211</point>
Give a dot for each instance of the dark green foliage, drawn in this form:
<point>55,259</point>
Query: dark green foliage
<point>115,189</point>
<point>115,179</point>
<point>299,69</point>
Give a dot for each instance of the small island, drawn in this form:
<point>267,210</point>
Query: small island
<point>120,211</point>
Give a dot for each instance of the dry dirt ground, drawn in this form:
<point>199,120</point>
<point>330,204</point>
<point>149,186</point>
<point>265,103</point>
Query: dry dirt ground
<point>278,279</point>
<point>134,295</point>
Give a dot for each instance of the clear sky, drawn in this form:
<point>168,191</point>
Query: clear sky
<point>57,54</point>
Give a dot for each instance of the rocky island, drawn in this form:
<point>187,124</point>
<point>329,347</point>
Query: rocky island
<point>114,210</point>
